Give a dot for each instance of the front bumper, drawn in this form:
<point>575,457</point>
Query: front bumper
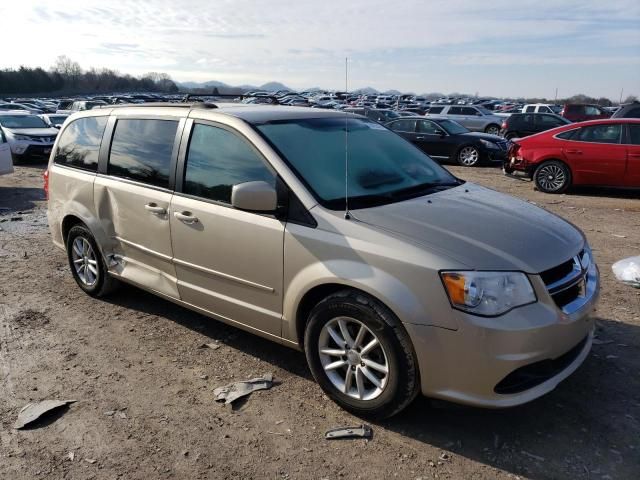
<point>30,150</point>
<point>523,354</point>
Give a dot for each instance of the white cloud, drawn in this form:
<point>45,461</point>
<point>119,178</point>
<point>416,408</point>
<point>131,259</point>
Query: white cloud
<point>404,45</point>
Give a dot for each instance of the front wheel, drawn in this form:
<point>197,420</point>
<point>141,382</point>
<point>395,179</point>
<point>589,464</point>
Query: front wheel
<point>360,355</point>
<point>469,156</point>
<point>552,177</point>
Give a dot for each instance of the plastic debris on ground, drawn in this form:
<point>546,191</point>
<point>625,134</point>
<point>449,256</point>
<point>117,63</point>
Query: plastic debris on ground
<point>361,431</point>
<point>230,393</point>
<point>34,411</point>
<point>628,271</point>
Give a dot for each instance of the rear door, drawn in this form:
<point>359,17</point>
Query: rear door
<point>132,194</point>
<point>6,164</point>
<point>632,177</point>
<point>228,261</point>
<point>596,155</point>
<point>406,128</point>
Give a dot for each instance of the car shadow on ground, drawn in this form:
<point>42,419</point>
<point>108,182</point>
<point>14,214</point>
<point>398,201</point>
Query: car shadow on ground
<point>548,438</point>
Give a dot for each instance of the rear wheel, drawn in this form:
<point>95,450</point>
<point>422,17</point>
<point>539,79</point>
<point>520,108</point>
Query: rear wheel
<point>87,266</point>
<point>552,177</point>
<point>492,129</point>
<point>360,355</point>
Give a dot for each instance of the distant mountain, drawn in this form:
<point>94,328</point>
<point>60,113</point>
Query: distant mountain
<point>224,88</point>
<point>366,91</point>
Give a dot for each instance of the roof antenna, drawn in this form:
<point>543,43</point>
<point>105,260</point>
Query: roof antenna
<point>347,216</point>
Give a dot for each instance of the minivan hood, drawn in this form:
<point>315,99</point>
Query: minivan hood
<point>481,228</point>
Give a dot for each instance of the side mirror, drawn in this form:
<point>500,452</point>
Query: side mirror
<point>254,197</point>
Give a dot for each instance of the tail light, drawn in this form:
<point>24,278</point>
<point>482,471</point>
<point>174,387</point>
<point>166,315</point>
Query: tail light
<point>45,177</point>
<point>513,150</point>
<point>504,125</point>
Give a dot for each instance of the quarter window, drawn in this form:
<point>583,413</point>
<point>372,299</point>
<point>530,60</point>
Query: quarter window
<point>141,150</point>
<point>435,110</point>
<point>79,145</point>
<point>599,134</point>
<point>217,160</point>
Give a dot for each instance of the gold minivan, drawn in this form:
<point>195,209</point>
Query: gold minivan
<point>326,232</point>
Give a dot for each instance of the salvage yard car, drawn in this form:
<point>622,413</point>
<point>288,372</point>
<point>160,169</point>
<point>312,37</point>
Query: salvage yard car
<point>598,152</point>
<point>400,279</point>
<point>6,163</point>
<point>444,139</point>
<point>28,135</point>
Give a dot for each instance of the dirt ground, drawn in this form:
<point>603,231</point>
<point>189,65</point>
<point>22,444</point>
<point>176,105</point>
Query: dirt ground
<point>144,387</point>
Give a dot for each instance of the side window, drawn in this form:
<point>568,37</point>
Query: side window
<point>633,113</point>
<point>141,150</point>
<point>404,126</point>
<point>217,160</point>
<point>568,135</point>
<point>469,111</point>
<point>79,144</point>
<point>530,108</point>
<point>599,134</point>
<point>429,128</point>
<point>549,121</point>
<point>455,111</point>
<point>435,110</point>
<point>634,134</point>
<point>591,110</point>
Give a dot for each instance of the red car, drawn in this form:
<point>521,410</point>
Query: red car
<point>599,152</point>
<point>577,112</point>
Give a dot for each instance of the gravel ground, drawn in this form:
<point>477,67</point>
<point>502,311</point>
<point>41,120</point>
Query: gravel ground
<point>144,387</point>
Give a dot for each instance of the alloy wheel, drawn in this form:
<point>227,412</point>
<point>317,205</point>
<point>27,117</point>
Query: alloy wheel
<point>469,156</point>
<point>493,130</point>
<point>551,177</point>
<point>84,261</point>
<point>353,358</point>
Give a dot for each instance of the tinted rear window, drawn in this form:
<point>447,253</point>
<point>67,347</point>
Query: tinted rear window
<point>435,109</point>
<point>79,144</point>
<point>634,134</point>
<point>141,150</point>
<point>633,113</point>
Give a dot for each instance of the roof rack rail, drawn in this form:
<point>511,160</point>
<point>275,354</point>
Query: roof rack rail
<point>161,104</point>
<point>242,96</point>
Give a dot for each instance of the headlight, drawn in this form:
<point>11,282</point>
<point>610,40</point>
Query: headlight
<point>488,293</point>
<point>22,137</point>
<point>488,144</point>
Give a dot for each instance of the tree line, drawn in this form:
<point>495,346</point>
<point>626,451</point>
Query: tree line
<point>67,77</point>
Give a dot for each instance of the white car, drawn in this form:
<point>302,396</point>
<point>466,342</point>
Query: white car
<point>541,108</point>
<point>28,135</point>
<point>55,120</point>
<point>6,164</point>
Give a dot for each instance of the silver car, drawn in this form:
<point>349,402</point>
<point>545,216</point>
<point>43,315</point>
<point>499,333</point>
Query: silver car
<point>328,233</point>
<point>476,119</point>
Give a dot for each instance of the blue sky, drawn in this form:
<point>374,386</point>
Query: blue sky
<point>502,48</point>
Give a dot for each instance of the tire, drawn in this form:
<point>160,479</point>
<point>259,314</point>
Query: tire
<point>468,156</point>
<point>552,177</point>
<point>349,384</point>
<point>86,263</point>
<point>492,129</point>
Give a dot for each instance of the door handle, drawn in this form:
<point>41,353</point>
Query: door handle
<point>574,151</point>
<point>419,138</point>
<point>155,209</point>
<point>185,217</point>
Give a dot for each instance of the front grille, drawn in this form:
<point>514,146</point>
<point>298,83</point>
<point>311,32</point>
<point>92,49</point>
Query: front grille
<point>536,373</point>
<point>566,282</point>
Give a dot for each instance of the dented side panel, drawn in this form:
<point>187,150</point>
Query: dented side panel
<point>137,239</point>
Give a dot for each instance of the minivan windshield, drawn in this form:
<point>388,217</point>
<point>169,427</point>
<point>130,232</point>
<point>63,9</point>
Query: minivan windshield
<point>22,121</point>
<point>382,166</point>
